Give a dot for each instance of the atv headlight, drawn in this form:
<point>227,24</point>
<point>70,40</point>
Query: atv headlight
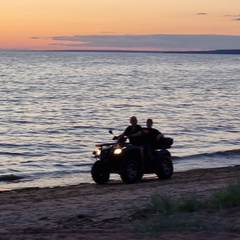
<point>117,151</point>
<point>97,152</point>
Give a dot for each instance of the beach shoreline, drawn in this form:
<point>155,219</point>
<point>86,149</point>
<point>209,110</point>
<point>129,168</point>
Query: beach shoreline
<point>90,211</point>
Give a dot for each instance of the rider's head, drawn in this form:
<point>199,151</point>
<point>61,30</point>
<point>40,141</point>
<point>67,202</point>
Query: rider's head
<point>133,121</point>
<point>149,123</point>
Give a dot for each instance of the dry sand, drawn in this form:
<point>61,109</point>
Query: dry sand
<point>90,211</point>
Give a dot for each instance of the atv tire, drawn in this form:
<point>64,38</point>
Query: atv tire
<point>131,171</point>
<point>100,173</point>
<point>164,167</point>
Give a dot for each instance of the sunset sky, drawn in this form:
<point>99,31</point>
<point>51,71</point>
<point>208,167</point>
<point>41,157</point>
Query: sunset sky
<point>125,24</point>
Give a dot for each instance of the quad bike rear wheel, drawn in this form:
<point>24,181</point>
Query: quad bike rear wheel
<point>164,169</point>
<point>100,173</point>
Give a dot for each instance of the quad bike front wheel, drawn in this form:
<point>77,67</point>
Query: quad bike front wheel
<point>100,173</point>
<point>164,169</point>
<point>131,171</point>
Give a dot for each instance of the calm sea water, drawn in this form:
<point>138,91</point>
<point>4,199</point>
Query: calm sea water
<point>55,106</point>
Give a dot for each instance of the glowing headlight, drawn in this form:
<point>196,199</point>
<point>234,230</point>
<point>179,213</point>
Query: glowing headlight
<point>117,151</point>
<point>97,152</point>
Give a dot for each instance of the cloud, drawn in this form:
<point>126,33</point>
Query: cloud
<point>201,13</point>
<point>172,42</point>
<point>35,37</point>
<point>154,41</point>
<point>233,17</point>
<point>75,38</point>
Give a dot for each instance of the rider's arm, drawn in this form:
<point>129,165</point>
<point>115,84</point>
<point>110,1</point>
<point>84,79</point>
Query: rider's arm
<point>137,134</point>
<point>159,137</point>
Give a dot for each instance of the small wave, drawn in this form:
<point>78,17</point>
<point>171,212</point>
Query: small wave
<point>26,154</point>
<point>21,122</point>
<point>83,164</point>
<point>227,153</point>
<point>9,145</point>
<point>11,153</point>
<point>10,177</point>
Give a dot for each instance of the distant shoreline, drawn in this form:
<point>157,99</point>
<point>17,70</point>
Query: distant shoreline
<point>217,51</point>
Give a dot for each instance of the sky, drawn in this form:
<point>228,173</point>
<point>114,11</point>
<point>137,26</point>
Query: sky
<point>160,25</point>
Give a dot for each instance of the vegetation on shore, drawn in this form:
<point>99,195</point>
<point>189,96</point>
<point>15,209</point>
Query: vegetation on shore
<point>164,213</point>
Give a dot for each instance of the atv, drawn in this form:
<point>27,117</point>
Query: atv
<point>125,159</point>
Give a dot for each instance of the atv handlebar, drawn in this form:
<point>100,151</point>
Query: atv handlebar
<point>120,138</point>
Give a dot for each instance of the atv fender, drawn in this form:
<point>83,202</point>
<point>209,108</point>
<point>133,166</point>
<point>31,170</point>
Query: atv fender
<point>160,154</point>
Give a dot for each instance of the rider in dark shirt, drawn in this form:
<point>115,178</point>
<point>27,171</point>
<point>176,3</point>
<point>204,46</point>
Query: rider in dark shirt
<point>150,136</point>
<point>133,132</point>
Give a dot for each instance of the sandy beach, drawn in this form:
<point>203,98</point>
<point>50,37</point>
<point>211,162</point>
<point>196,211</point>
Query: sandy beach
<point>90,211</point>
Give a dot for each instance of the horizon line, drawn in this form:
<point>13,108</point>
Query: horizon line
<point>215,51</point>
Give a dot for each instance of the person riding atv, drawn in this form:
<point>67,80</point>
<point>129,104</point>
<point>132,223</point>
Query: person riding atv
<point>146,138</point>
<point>127,160</point>
<point>133,132</point>
<point>150,138</point>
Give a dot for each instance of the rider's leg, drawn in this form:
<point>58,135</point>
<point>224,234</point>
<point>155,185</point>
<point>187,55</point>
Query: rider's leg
<point>141,148</point>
